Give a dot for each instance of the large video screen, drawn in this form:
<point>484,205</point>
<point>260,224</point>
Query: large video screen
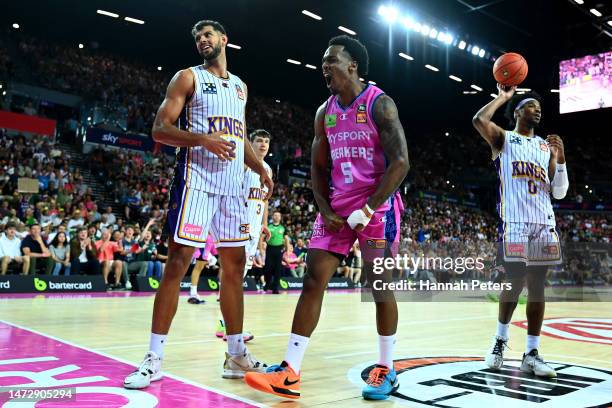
<point>585,83</point>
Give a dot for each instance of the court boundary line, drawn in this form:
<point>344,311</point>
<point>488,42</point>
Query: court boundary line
<point>121,360</point>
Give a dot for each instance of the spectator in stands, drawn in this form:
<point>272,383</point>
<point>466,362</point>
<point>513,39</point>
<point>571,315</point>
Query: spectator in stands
<point>110,217</point>
<point>294,264</point>
<point>76,221</point>
<point>83,254</point>
<point>132,249</point>
<point>60,255</point>
<point>34,247</point>
<point>106,256</point>
<point>10,250</point>
<point>149,253</point>
<point>162,252</point>
<point>120,256</point>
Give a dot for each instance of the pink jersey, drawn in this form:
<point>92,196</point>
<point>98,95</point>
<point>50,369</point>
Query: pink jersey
<point>358,160</point>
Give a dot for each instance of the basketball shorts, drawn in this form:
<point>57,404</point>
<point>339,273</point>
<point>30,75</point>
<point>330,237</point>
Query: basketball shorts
<point>193,214</point>
<point>378,239</point>
<point>533,244</point>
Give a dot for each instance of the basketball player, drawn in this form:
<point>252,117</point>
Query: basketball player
<point>528,168</point>
<point>206,194</point>
<point>257,210</point>
<point>358,130</point>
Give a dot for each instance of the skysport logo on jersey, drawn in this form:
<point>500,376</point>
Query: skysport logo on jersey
<point>460,382</point>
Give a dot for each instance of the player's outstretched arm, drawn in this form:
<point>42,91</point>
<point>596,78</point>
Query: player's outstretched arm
<point>493,134</point>
<point>320,175</point>
<point>164,131</point>
<point>393,141</point>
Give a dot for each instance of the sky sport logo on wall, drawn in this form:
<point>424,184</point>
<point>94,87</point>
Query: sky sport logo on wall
<point>460,382</point>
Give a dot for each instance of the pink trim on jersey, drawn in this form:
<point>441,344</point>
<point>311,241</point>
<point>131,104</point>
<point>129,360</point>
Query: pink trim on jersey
<point>358,160</point>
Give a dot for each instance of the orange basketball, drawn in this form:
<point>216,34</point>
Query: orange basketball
<point>510,69</point>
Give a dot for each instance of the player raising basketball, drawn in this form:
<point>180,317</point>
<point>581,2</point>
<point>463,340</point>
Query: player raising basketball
<point>206,195</point>
<point>528,168</point>
<point>358,130</point>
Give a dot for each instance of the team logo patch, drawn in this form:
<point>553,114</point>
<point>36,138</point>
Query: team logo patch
<point>376,243</point>
<point>361,107</point>
<point>515,140</point>
<point>244,228</point>
<point>362,117</point>
<point>515,249</point>
<point>239,92</point>
<point>589,330</point>
<point>460,382</point>
<point>330,120</point>
<point>225,84</point>
<point>544,147</point>
<point>192,229</point>
<point>209,88</point>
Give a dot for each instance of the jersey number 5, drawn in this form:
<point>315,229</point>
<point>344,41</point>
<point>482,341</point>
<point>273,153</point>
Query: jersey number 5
<point>347,171</point>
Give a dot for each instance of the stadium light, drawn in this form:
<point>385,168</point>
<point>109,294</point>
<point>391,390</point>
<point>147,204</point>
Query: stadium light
<point>433,33</point>
<point>347,30</point>
<point>579,1</point>
<point>234,46</point>
<point>493,95</point>
<point>416,27</point>
<point>475,50</point>
<point>371,82</point>
<point>81,46</point>
<point>406,56</point>
<point>134,20</point>
<point>0,86</point>
<point>481,53</point>
<point>523,89</point>
<point>449,39</point>
<point>441,36</point>
<point>610,23</point>
<point>15,26</point>
<point>521,92</point>
<point>277,101</point>
<point>292,61</point>
<point>312,15</point>
<point>408,23</point>
<point>107,13</point>
<point>586,186</point>
<point>446,134</point>
<point>390,13</point>
<point>431,67</point>
<point>361,79</point>
<point>595,12</point>
<point>3,93</point>
<point>89,118</point>
<point>455,78</point>
<point>554,90</point>
<point>159,68</point>
<point>476,87</point>
<point>310,66</point>
<point>462,45</point>
<point>425,29</point>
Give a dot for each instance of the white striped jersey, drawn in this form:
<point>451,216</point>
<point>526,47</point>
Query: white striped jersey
<point>254,195</point>
<point>216,104</point>
<point>523,183</point>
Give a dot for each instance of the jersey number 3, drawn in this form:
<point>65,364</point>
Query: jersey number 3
<point>347,171</point>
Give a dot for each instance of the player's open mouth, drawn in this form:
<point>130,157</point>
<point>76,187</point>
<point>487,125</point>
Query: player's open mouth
<point>328,79</point>
<point>206,47</point>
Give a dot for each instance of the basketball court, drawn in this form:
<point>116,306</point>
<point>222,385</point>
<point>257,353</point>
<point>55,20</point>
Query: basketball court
<point>91,341</point>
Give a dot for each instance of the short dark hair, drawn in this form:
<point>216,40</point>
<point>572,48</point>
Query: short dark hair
<point>259,133</point>
<point>356,50</point>
<point>516,99</point>
<point>203,23</point>
<point>10,225</point>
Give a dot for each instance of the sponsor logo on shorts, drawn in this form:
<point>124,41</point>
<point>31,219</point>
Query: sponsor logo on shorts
<point>376,243</point>
<point>192,229</point>
<point>515,249</point>
<point>467,382</point>
<point>550,250</point>
<point>318,231</point>
<point>244,228</point>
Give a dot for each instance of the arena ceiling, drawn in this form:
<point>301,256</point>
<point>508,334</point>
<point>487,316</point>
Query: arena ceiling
<point>271,31</point>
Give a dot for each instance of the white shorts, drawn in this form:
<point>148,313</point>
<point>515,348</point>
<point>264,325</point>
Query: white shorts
<point>533,244</point>
<point>193,214</point>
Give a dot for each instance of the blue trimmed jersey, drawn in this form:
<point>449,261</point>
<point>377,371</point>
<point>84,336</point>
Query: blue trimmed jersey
<point>216,104</point>
<point>523,182</point>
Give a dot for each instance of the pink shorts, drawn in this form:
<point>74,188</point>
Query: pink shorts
<point>380,235</point>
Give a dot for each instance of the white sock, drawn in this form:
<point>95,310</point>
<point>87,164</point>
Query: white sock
<point>386,344</point>
<point>235,345</point>
<point>156,344</point>
<point>193,292</point>
<point>295,351</point>
<point>502,330</point>
<point>533,342</point>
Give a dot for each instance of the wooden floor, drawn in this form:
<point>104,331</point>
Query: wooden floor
<point>344,342</point>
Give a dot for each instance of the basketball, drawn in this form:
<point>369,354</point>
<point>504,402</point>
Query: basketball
<point>510,69</point>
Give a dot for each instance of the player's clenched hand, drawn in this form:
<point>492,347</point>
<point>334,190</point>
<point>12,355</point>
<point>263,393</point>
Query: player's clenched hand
<point>265,180</point>
<point>359,219</point>
<point>333,221</point>
<point>556,147</point>
<point>220,147</point>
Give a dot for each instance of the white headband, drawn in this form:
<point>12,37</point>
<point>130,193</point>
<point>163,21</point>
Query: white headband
<point>523,102</point>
